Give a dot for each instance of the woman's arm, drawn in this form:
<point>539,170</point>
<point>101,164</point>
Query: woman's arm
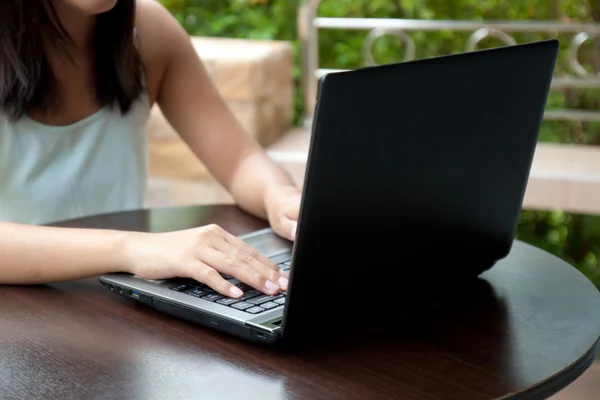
<point>34,254</point>
<point>193,106</point>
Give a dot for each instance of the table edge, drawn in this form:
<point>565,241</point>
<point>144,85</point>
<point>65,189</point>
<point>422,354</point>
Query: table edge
<point>560,380</point>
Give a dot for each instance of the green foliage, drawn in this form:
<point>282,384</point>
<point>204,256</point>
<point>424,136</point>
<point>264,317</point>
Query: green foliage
<point>575,238</point>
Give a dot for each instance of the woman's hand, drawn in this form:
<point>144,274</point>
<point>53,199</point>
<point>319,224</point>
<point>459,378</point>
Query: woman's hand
<point>202,254</point>
<point>283,205</point>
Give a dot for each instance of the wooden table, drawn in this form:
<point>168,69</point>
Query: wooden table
<point>529,329</point>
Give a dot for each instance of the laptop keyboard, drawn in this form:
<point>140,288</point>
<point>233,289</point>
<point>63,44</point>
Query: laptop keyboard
<point>253,301</point>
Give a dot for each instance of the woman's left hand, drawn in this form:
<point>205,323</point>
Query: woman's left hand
<point>283,205</point>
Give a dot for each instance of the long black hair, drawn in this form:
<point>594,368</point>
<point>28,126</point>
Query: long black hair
<point>26,80</point>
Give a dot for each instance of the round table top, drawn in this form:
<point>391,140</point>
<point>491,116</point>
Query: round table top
<point>529,328</point>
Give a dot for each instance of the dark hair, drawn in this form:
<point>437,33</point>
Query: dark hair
<point>26,80</point>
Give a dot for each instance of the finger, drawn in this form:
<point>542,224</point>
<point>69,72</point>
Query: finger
<point>286,227</point>
<point>237,264</point>
<point>251,257</point>
<point>218,235</point>
<point>209,276</point>
<point>292,211</point>
<point>253,252</point>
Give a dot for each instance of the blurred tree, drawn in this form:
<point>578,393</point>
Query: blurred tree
<point>575,238</point>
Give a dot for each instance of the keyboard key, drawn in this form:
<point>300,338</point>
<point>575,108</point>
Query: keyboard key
<point>196,292</point>
<point>192,283</point>
<point>280,300</point>
<point>243,287</point>
<point>255,310</point>
<point>250,294</point>
<point>213,297</point>
<point>188,281</point>
<point>269,305</point>
<point>284,267</point>
<point>228,301</point>
<point>180,288</point>
<point>263,299</point>
<point>242,305</point>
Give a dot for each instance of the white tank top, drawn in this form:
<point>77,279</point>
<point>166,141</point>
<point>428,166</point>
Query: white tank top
<point>96,165</point>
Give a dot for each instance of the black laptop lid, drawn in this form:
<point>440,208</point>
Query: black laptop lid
<point>418,169</point>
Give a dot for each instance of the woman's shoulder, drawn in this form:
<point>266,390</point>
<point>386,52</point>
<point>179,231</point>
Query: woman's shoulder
<point>154,21</point>
<point>159,35</point>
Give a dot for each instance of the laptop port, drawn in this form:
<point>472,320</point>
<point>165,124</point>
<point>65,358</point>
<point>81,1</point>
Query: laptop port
<point>135,294</point>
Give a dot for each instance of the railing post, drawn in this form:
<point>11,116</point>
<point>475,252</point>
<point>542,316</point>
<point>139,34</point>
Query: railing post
<point>308,35</point>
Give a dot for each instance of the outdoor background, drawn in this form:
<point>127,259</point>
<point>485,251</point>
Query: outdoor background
<point>575,238</point>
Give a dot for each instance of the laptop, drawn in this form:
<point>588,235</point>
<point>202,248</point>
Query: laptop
<point>416,176</point>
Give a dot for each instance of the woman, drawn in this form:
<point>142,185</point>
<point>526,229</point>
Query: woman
<point>77,80</point>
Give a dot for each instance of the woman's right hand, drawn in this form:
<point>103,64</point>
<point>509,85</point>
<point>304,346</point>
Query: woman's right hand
<point>202,254</point>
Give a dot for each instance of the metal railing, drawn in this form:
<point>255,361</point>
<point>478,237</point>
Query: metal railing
<point>309,25</point>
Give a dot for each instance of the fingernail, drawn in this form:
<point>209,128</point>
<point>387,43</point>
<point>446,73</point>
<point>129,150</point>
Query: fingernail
<point>271,287</point>
<point>283,283</point>
<point>293,232</point>
<point>235,291</point>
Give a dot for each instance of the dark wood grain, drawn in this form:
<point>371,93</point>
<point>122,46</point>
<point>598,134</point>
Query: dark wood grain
<point>528,328</point>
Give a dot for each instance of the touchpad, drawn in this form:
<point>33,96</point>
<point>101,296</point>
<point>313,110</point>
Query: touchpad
<point>267,242</point>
